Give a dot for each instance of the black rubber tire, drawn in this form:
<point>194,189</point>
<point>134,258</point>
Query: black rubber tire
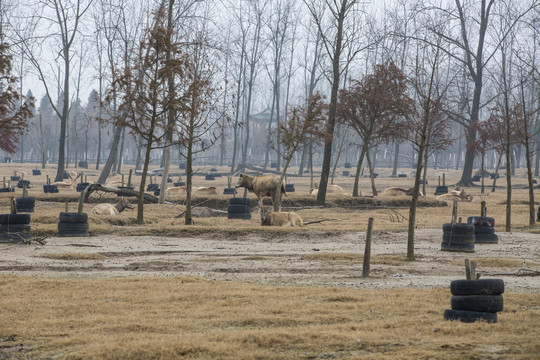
<point>481,221</point>
<point>36,172</point>
<point>477,287</point>
<point>73,217</point>
<point>22,183</point>
<point>181,183</point>
<point>19,228</point>
<point>229,191</point>
<point>484,230</point>
<point>402,175</point>
<point>443,189</point>
<point>209,177</point>
<point>14,219</point>
<point>289,188</point>
<point>152,187</point>
<point>470,316</point>
<point>457,247</point>
<point>238,209</point>
<point>25,204</point>
<point>240,201</point>
<point>72,229</point>
<point>463,229</point>
<point>156,192</point>
<point>8,189</point>
<point>50,189</point>
<point>346,173</point>
<point>481,303</point>
<point>81,186</point>
<point>486,239</point>
<point>15,178</point>
<point>458,239</point>
<point>245,216</point>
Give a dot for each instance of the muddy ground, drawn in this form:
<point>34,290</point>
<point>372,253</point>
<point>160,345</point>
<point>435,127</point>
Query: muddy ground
<point>294,258</point>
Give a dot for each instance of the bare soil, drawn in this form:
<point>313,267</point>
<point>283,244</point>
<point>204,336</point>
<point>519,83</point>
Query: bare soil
<point>292,258</point>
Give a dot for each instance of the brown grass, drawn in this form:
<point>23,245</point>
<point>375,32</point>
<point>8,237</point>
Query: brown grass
<point>344,212</point>
<point>171,318</point>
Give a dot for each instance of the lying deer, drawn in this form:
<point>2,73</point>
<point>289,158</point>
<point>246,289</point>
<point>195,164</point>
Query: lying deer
<point>283,219</point>
<point>71,184</point>
<point>110,209</point>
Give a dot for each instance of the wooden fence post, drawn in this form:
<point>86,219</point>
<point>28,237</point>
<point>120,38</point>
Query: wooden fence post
<point>367,250</point>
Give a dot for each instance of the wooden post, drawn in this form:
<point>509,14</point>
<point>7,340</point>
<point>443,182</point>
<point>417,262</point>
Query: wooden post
<point>443,179</point>
<point>483,209</point>
<point>48,180</point>
<point>13,205</point>
<point>439,180</point>
<point>81,201</point>
<point>82,178</point>
<point>129,177</point>
<point>24,191</point>
<point>367,250</point>
<point>151,180</point>
<point>470,270</point>
<point>67,207</point>
<point>4,183</point>
<point>122,180</point>
<point>454,212</point>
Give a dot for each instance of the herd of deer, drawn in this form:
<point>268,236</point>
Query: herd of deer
<point>262,186</point>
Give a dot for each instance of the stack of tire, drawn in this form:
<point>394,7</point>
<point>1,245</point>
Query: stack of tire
<point>484,230</point>
<point>81,186</point>
<point>476,178</point>
<point>289,188</point>
<point>14,227</point>
<point>347,165</point>
<point>210,177</point>
<point>7,189</point>
<point>50,189</point>
<point>346,173</point>
<point>65,175</point>
<point>25,204</point>
<point>152,187</point>
<point>239,208</point>
<point>229,191</point>
<point>458,237</point>
<point>15,178</point>
<point>402,175</point>
<point>538,215</point>
<point>22,183</point>
<point>474,300</point>
<point>73,224</point>
<point>36,172</point>
<point>181,183</point>
<point>441,189</point>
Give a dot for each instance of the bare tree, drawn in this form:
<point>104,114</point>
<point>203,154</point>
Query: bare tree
<point>333,23</point>
<point>63,27</point>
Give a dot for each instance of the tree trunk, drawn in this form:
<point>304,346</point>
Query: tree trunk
<point>396,159</point>
<point>496,173</point>
<point>112,156</point>
<point>371,176</point>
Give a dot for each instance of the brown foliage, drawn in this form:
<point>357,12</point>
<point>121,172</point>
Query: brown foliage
<point>376,105</point>
<point>15,110</point>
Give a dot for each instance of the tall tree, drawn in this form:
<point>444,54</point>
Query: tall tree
<point>61,20</point>
<point>15,110</point>
<point>333,22</point>
<point>375,108</point>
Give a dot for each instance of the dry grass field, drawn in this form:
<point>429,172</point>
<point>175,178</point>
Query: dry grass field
<point>231,289</point>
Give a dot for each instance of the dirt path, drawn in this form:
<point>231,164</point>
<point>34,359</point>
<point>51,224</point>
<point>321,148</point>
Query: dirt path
<point>296,259</point>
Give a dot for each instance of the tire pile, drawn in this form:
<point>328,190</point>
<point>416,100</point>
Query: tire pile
<point>474,300</point>
<point>81,186</point>
<point>22,183</point>
<point>7,189</point>
<point>458,237</point>
<point>239,208</point>
<point>441,189</point>
<point>229,191</point>
<point>14,227</point>
<point>25,204</point>
<point>289,188</point>
<point>50,189</point>
<point>36,172</point>
<point>73,224</point>
<point>484,230</point>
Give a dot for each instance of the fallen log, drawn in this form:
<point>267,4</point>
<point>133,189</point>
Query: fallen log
<point>120,192</point>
